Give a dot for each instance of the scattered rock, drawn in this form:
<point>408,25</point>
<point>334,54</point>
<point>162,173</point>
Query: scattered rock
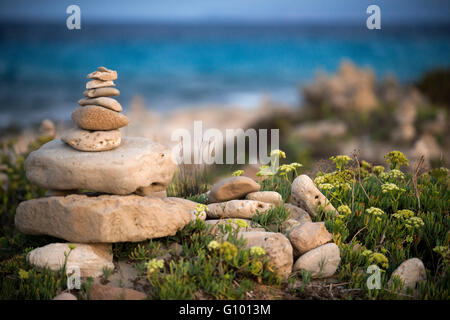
<point>410,272</point>
<point>297,213</point>
<point>304,194</point>
<point>266,196</point>
<point>47,128</point>
<point>232,188</point>
<point>104,219</point>
<point>136,163</point>
<point>308,236</point>
<point>244,209</point>
<point>65,296</point>
<point>106,102</point>
<point>277,247</point>
<point>322,261</point>
<point>94,84</point>
<point>103,292</point>
<point>98,118</point>
<point>104,74</point>
<point>101,92</point>
<point>85,140</point>
<point>90,258</point>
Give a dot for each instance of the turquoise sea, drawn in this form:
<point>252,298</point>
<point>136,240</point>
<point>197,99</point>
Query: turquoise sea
<point>43,67</point>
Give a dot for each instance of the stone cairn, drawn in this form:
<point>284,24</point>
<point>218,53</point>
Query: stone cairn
<point>102,188</point>
<point>99,118</point>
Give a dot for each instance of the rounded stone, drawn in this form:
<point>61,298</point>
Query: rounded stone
<point>308,236</point>
<point>266,196</point>
<point>89,258</point>
<point>322,261</point>
<point>101,92</point>
<point>244,209</point>
<point>98,118</point>
<point>85,140</point>
<point>106,102</point>
<point>104,74</point>
<point>304,194</point>
<point>232,188</point>
<point>94,84</point>
<point>136,163</point>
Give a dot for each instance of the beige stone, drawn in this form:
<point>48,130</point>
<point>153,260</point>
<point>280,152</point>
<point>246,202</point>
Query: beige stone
<point>98,118</point>
<point>89,258</point>
<point>104,74</point>
<point>106,102</point>
<point>136,163</point>
<point>297,213</point>
<point>410,272</point>
<point>65,296</point>
<point>304,194</point>
<point>266,196</point>
<point>308,236</point>
<point>244,209</point>
<point>322,261</point>
<point>277,247</point>
<point>101,92</point>
<point>104,219</point>
<point>232,188</point>
<point>85,140</point>
<point>103,292</point>
<point>94,84</point>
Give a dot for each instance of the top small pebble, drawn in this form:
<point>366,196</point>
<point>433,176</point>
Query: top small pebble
<point>104,74</point>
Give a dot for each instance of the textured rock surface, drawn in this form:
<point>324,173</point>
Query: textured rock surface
<point>85,140</point>
<point>322,261</point>
<point>266,196</point>
<point>104,219</point>
<point>304,194</point>
<point>94,84</point>
<point>297,216</point>
<point>308,236</point>
<point>101,92</point>
<point>106,102</point>
<point>90,258</point>
<point>244,209</point>
<point>104,74</point>
<point>98,118</point>
<point>148,193</point>
<point>103,292</point>
<point>277,246</point>
<point>136,163</point>
<point>410,273</point>
<point>232,188</point>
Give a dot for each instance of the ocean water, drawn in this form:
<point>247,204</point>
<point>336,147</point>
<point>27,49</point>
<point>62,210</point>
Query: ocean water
<point>43,67</point>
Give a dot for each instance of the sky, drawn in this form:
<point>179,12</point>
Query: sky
<point>338,11</point>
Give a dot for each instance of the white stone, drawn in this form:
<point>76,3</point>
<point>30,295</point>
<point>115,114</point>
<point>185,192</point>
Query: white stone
<point>89,258</point>
<point>244,209</point>
<point>266,196</point>
<point>322,261</point>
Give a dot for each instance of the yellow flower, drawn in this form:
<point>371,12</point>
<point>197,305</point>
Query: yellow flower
<point>237,173</point>
<point>154,265</point>
<point>375,211</point>
<point>228,250</point>
<point>257,251</point>
<point>241,223</point>
<point>23,274</point>
<point>344,209</point>
<point>213,245</point>
<point>278,153</point>
<point>379,259</point>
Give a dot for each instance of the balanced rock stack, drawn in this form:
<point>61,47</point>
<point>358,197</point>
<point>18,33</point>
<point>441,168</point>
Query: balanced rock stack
<point>116,194</point>
<point>99,118</point>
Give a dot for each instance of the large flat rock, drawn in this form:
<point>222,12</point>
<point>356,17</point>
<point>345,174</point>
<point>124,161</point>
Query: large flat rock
<point>104,219</point>
<point>136,163</point>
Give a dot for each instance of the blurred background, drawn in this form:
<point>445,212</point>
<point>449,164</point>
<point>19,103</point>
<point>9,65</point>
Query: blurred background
<point>310,68</point>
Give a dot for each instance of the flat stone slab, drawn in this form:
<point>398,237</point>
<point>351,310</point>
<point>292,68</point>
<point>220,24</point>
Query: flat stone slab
<point>136,163</point>
<point>104,219</point>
